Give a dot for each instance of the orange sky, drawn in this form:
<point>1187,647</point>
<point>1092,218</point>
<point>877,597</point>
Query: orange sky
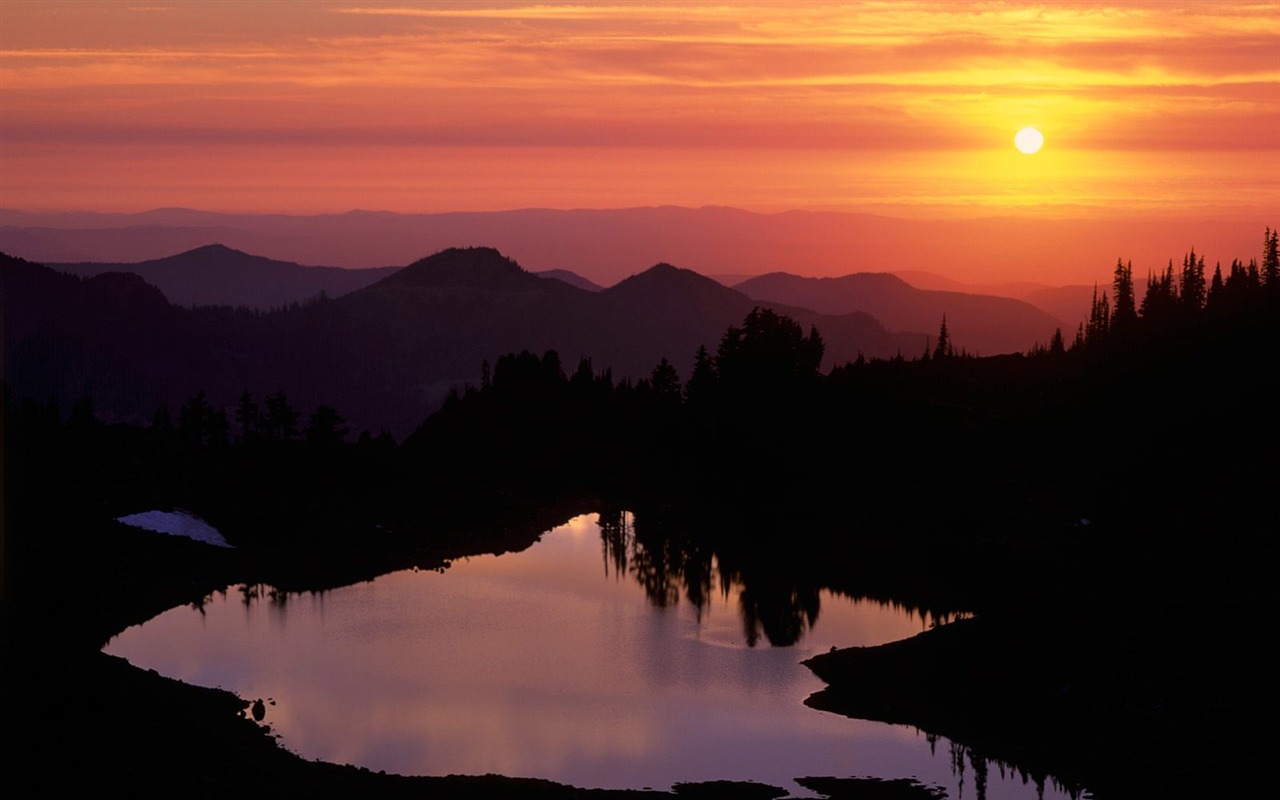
<point>1159,108</point>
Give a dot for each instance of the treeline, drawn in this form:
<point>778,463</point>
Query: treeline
<point>931,441</point>
<point>1178,299</point>
<point>928,444</point>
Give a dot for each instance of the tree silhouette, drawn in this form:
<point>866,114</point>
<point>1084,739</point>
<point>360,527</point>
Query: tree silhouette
<point>326,427</point>
<point>1125,313</point>
<point>943,348</point>
<point>1099,319</point>
<point>1160,304</point>
<point>768,348</point>
<point>1191,286</point>
<point>702,380</point>
<point>1056,344</point>
<point>281,420</point>
<point>665,382</point>
<point>1271,260</point>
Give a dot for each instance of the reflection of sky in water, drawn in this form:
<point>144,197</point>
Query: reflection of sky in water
<point>543,664</point>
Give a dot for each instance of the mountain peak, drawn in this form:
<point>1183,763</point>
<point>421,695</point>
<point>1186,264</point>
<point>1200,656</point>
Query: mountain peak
<point>475,267</point>
<point>664,280</point>
<point>216,254</point>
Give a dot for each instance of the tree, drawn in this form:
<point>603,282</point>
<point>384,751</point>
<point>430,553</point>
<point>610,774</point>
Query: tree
<point>1056,344</point>
<point>768,347</point>
<point>1125,312</point>
<point>943,348</point>
<point>326,427</point>
<point>665,382</point>
<point>1191,284</point>
<point>281,420</point>
<point>1271,260</point>
<point>1160,303</point>
<point>702,380</point>
<point>1099,319</point>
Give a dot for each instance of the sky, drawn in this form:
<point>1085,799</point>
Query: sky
<point>1157,109</point>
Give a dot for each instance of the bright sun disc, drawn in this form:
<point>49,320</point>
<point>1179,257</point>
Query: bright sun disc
<point>1028,140</point>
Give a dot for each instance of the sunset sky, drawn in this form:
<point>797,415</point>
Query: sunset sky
<point>909,109</point>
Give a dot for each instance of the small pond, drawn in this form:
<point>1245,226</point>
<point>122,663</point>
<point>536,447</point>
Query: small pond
<point>576,660</point>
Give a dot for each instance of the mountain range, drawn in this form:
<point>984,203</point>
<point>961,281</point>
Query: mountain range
<point>385,354</point>
<point>218,275</point>
<point>606,245</point>
<point>980,324</point>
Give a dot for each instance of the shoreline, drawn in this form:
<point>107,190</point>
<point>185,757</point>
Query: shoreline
<point>990,683</point>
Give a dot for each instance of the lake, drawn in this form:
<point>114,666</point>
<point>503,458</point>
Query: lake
<point>584,659</point>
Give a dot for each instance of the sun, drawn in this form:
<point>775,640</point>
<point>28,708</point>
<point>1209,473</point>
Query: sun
<point>1028,140</point>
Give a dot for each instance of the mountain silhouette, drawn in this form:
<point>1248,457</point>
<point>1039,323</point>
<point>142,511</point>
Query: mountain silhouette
<point>462,267</point>
<point>218,275</point>
<point>386,354</point>
<point>606,245</point>
<point>980,324</point>
<point>112,337</point>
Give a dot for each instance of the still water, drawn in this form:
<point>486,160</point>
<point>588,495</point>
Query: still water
<point>573,660</point>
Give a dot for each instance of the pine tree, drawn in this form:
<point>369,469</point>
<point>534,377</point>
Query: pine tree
<point>1271,260</point>
<point>943,349</point>
<point>1216,286</point>
<point>281,420</point>
<point>1191,284</point>
<point>703,378</point>
<point>1099,319</point>
<point>1125,313</point>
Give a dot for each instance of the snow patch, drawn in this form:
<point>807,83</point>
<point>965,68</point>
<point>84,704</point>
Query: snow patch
<point>176,523</point>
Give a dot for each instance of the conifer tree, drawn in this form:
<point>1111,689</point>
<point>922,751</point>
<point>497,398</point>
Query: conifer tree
<point>1191,284</point>
<point>1271,260</point>
<point>1099,319</point>
<point>943,349</point>
<point>665,381</point>
<point>1125,313</point>
<point>281,420</point>
<point>1216,286</point>
<point>703,378</point>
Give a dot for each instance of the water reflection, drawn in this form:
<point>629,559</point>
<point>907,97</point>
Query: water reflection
<point>530,664</point>
<point>667,561</point>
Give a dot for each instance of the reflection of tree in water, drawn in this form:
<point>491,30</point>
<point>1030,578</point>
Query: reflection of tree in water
<point>667,561</point>
<point>962,755</point>
<point>782,611</point>
<point>663,561</point>
<point>670,557</point>
<point>251,593</point>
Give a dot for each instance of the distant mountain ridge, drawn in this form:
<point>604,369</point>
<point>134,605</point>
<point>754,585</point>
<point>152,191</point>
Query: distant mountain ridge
<point>385,354</point>
<point>980,324</point>
<point>606,245</point>
<point>215,274</point>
